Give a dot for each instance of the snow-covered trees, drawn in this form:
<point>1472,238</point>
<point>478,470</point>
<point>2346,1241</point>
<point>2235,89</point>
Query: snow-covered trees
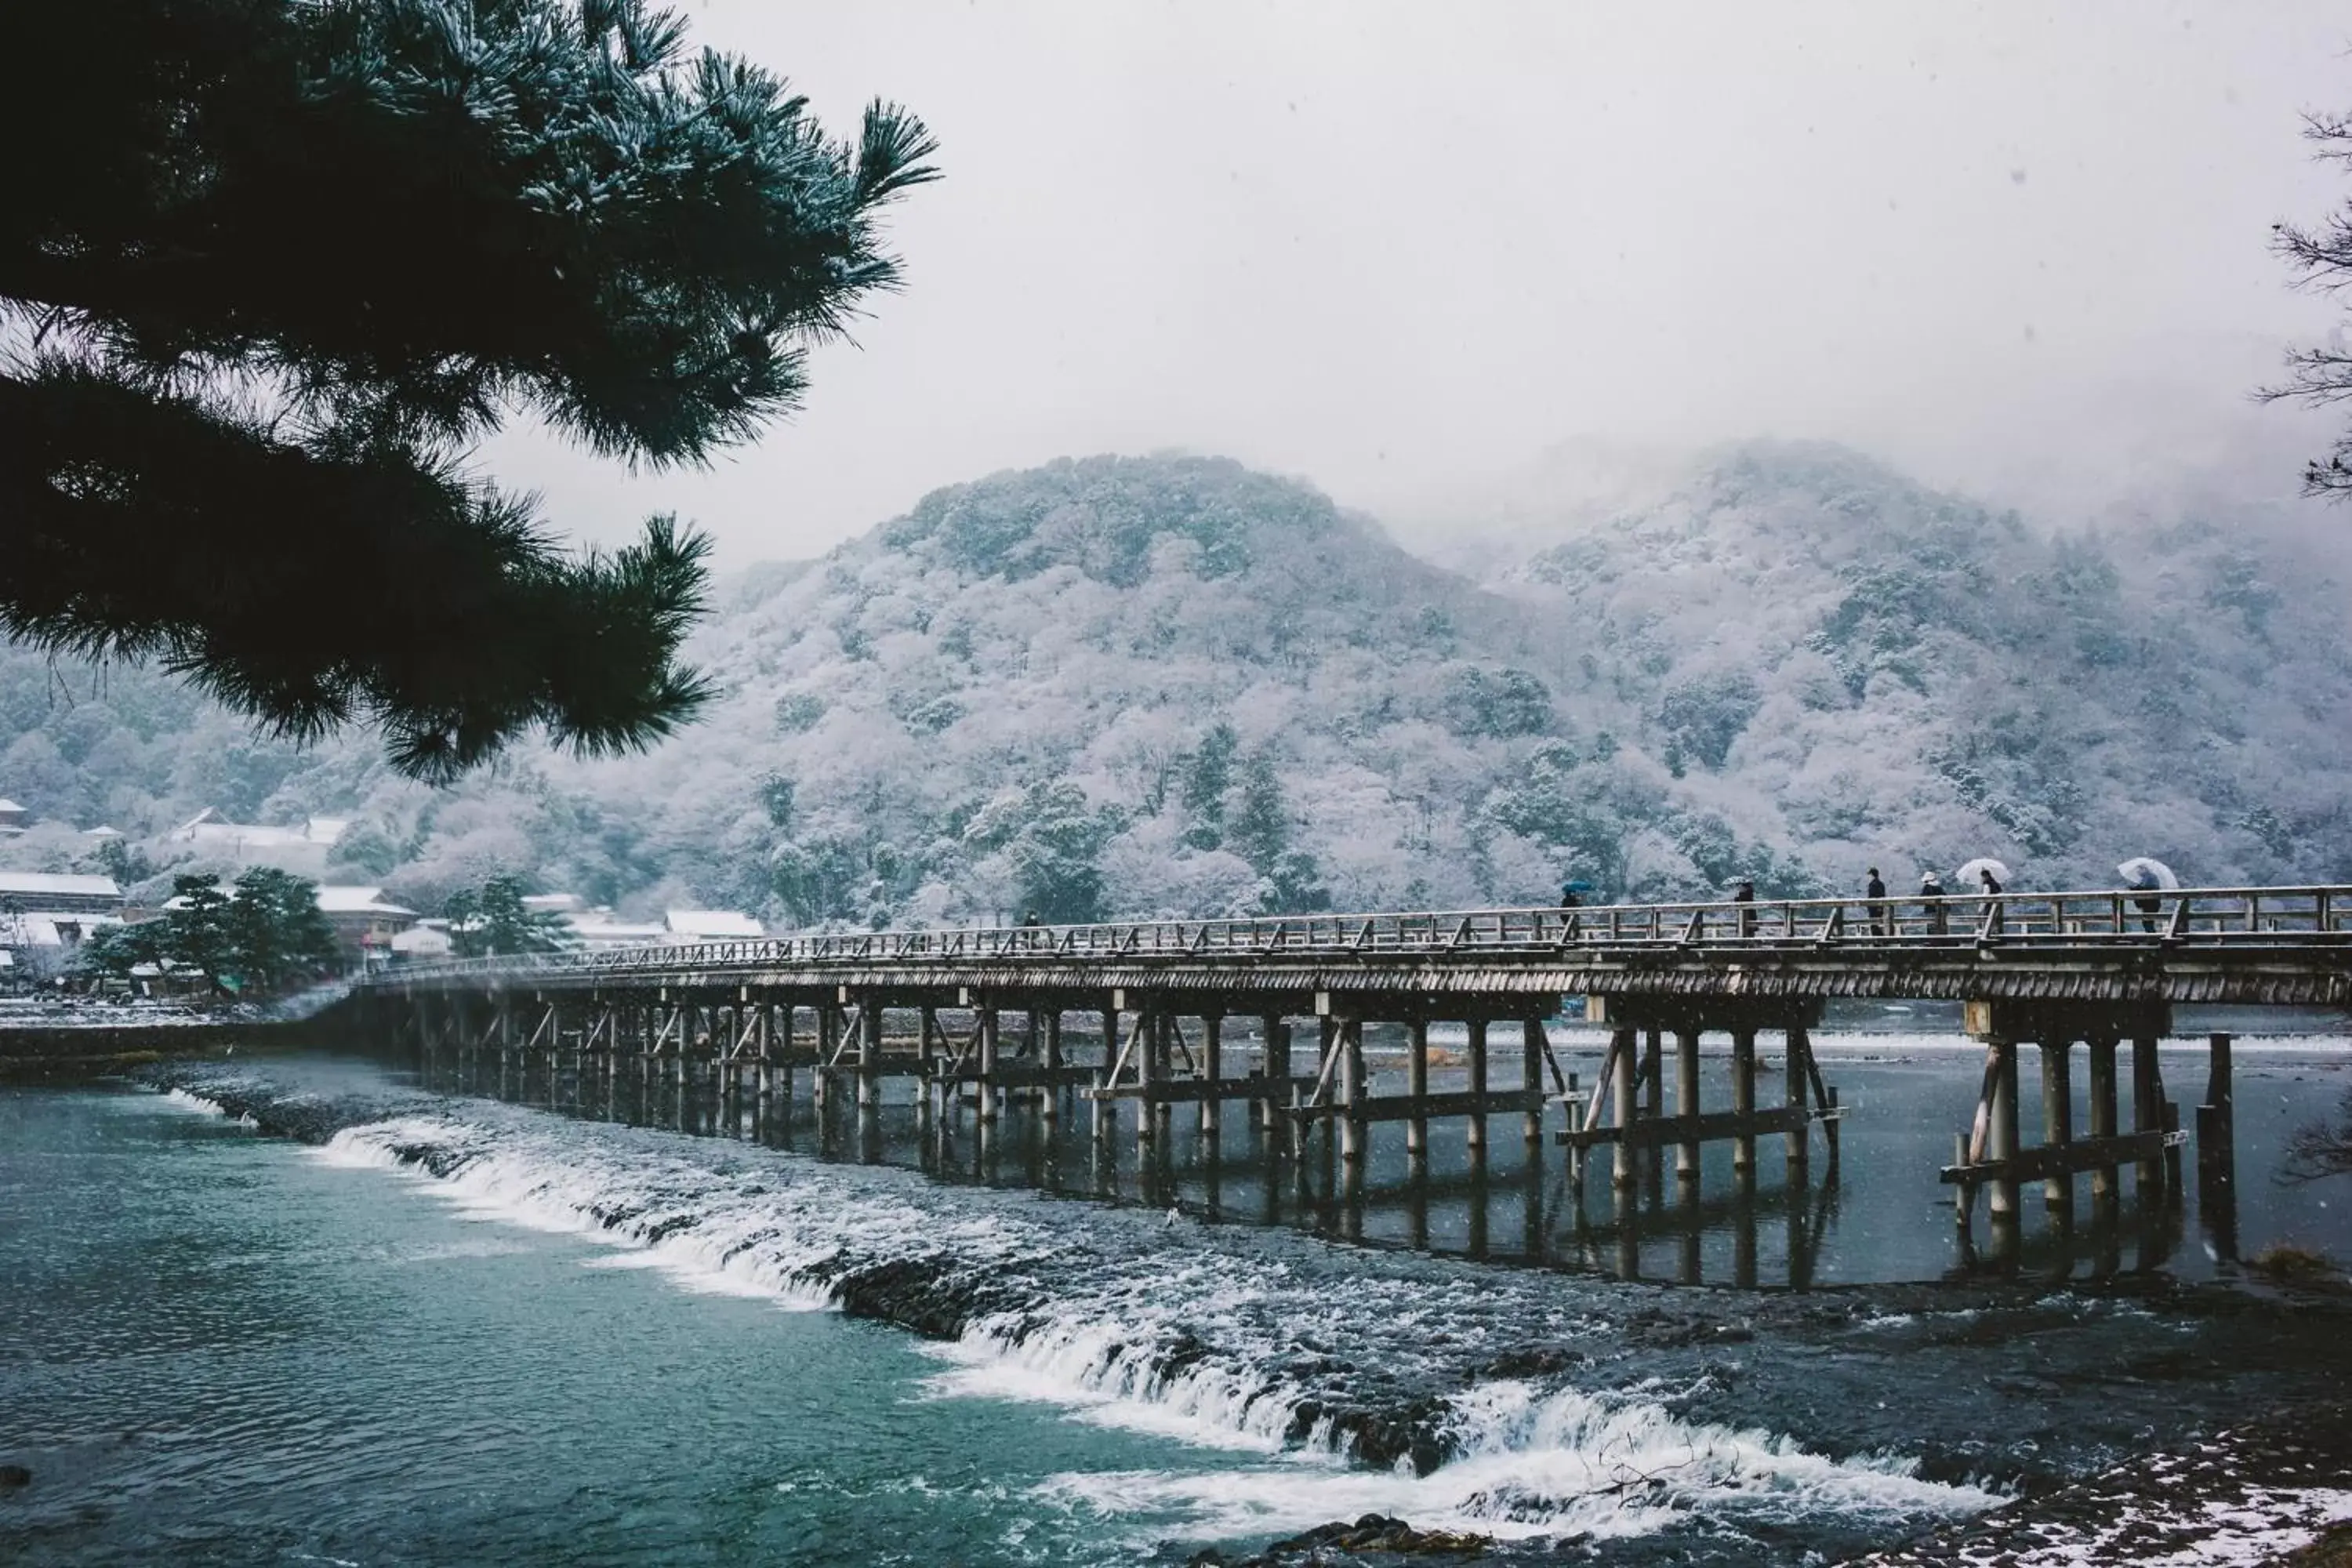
<point>1030,693</point>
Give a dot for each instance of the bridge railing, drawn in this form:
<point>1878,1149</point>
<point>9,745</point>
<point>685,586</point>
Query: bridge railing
<point>2225,917</point>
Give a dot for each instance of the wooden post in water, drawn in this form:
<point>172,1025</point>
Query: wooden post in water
<point>869,1054</point>
<point>1478,1131</point>
<point>1743,1103</point>
<point>1687,1167</point>
<point>1353,1129</point>
<point>1621,1044</point>
<point>1277,1067</point>
<point>1416,1087</point>
<point>2102,1050</point>
<point>1165,1036</point>
<point>986,1022</point>
<point>2147,1116</point>
<point>1049,1104</point>
<point>2057,1117</point>
<point>1795,1068</point>
<point>2002,1136</point>
<point>1213,1068</point>
<point>2216,1152</point>
<point>1654,1101</point>
<point>1532,1081</point>
<point>1150,1044</point>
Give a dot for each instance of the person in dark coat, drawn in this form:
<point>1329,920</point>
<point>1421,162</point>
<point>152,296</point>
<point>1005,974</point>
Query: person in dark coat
<point>1931,887</point>
<point>1745,893</point>
<point>1029,923</point>
<point>1568,899</point>
<point>2150,906</point>
<point>1994,920</point>
<point>1876,891</point>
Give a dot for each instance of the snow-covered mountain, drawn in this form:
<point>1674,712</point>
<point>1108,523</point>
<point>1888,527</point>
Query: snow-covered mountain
<point>1133,685</point>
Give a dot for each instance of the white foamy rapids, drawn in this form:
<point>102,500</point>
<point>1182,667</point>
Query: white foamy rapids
<point>197,1105</point>
<point>1245,1341</point>
<point>1536,1463</point>
<point>194,1102</point>
<point>775,1235</point>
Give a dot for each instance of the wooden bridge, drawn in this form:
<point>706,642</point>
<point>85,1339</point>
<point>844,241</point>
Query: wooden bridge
<point>1139,1013</point>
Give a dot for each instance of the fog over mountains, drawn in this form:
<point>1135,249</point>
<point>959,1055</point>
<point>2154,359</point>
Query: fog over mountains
<point>1123,686</point>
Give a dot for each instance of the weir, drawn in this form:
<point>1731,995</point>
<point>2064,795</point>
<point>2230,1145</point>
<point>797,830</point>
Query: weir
<point>1155,1019</point>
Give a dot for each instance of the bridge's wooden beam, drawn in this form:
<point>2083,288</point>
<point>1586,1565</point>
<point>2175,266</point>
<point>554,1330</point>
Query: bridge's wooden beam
<point>1188,1090</point>
<point>2061,1160</point>
<point>1649,1133</point>
<point>1396,1108</point>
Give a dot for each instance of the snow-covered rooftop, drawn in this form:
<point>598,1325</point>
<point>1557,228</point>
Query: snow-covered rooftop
<point>23,885</point>
<point>713,925</point>
<point>349,900</point>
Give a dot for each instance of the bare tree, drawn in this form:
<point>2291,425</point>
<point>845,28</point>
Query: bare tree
<point>2320,256</point>
<point>2321,1149</point>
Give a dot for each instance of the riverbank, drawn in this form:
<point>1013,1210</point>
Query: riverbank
<point>77,1039</point>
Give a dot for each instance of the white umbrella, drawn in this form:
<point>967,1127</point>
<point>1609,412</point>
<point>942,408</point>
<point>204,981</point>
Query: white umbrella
<point>1965,876</point>
<point>2154,876</point>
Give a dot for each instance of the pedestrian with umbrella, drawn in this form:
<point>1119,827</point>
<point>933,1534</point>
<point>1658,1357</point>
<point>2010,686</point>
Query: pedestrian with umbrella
<point>1989,874</point>
<point>1874,890</point>
<point>2147,878</point>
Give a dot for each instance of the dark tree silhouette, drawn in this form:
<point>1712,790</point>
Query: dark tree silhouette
<point>269,269</point>
<point>2321,1148</point>
<point>2321,258</point>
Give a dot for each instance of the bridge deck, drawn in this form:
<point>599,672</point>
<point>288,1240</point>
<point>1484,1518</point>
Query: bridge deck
<point>2257,945</point>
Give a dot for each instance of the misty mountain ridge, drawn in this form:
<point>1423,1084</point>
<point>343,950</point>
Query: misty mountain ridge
<point>1119,686</point>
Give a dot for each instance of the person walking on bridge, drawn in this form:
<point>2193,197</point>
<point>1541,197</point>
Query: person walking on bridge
<point>1993,918</point>
<point>1882,922</point>
<point>1744,895</point>
<point>1029,929</point>
<point>1931,893</point>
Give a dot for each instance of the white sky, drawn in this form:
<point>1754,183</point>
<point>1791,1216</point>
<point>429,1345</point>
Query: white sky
<point>1393,247</point>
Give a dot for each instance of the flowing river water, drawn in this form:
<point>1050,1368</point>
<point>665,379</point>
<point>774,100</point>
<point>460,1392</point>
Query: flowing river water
<point>433,1328</point>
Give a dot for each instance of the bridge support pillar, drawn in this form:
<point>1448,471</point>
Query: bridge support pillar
<point>1653,1101</point>
<point>2217,1153</point>
<point>2000,1140</point>
<point>1049,1101</point>
<point>2058,1118</point>
<point>1624,1085</point>
<point>1277,1067</point>
<point>1796,1067</point>
<point>991,1101</point>
<point>2102,1056</point>
<point>869,1054</point>
<point>1478,1118</point>
<point>1687,1167</point>
<point>1743,1101</point>
<point>1532,1048</point>
<point>1416,1083</point>
<point>1353,1129</point>
<point>1212,1069</point>
<point>2147,1116</point>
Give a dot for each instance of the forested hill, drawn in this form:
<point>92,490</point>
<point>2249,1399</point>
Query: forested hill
<point>1172,684</point>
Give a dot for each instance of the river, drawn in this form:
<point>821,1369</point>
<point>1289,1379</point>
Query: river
<point>451,1330</point>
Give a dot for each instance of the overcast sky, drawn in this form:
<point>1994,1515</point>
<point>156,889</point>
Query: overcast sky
<point>1394,248</point>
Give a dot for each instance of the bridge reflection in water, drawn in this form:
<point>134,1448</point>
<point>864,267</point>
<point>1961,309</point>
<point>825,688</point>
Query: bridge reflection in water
<point>1014,1056</point>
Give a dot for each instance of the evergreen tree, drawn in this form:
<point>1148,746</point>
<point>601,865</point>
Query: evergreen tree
<point>282,263</point>
<point>493,920</point>
<point>1260,831</point>
<point>1207,776</point>
<point>278,931</point>
<point>267,934</point>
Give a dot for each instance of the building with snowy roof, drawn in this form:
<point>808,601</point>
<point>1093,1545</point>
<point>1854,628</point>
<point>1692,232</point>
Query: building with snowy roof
<point>58,892</point>
<point>711,925</point>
